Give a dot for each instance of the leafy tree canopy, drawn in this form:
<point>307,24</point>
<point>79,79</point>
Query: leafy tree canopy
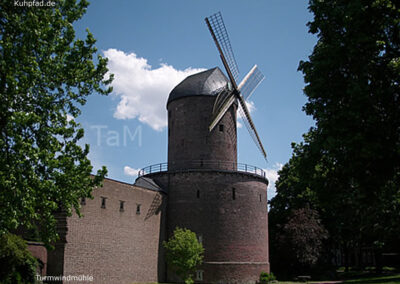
<point>348,167</point>
<point>352,79</point>
<point>353,91</point>
<point>46,74</point>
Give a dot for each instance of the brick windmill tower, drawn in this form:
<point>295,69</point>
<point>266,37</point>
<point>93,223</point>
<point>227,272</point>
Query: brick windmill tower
<point>222,201</point>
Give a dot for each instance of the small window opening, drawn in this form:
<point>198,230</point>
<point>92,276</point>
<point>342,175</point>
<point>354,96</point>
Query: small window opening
<point>198,194</point>
<point>103,202</point>
<point>169,114</point>
<point>83,201</point>
<point>169,132</point>
<point>200,239</point>
<point>260,197</point>
<point>199,275</point>
<point>233,193</point>
<point>221,127</point>
<point>138,209</point>
<point>201,163</point>
<point>121,206</point>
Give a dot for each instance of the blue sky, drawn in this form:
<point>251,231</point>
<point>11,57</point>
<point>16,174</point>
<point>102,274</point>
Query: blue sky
<point>153,45</point>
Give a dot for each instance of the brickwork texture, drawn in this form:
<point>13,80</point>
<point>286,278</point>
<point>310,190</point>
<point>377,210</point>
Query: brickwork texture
<point>111,244</point>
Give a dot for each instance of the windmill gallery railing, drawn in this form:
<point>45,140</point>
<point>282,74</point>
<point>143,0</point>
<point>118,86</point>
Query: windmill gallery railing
<point>207,165</point>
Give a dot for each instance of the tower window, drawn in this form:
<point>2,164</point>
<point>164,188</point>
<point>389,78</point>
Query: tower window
<point>200,239</point>
<point>121,206</point>
<point>103,202</point>
<point>221,127</point>
<point>83,201</point>
<point>260,197</point>
<point>169,114</point>
<point>233,193</point>
<point>169,132</point>
<point>138,209</point>
<point>198,194</point>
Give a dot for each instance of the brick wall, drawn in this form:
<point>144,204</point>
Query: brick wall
<point>38,250</point>
<point>233,226</point>
<point>189,139</point>
<point>116,246</point>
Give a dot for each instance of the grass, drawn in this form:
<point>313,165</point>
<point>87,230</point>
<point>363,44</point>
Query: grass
<point>389,279</point>
<point>355,279</point>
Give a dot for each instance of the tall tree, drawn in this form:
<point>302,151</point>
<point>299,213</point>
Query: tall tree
<point>349,166</point>
<point>46,74</point>
<point>353,92</point>
<point>352,87</point>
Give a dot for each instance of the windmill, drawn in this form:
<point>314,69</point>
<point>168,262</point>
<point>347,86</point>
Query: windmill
<point>233,92</point>
<point>206,185</point>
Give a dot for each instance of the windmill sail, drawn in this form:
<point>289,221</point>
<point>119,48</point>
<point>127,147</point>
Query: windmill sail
<point>250,126</point>
<point>222,111</point>
<point>227,97</point>
<point>222,97</point>
<point>250,82</point>
<point>218,31</point>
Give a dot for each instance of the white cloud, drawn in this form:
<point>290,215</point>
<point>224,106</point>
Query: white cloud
<point>130,171</point>
<point>272,176</point>
<point>143,91</point>
<point>250,106</point>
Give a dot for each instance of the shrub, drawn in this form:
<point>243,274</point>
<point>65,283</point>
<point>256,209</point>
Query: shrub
<point>184,253</point>
<point>266,277</point>
<point>19,263</point>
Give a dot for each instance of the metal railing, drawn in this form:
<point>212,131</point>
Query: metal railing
<point>156,168</point>
<point>200,164</point>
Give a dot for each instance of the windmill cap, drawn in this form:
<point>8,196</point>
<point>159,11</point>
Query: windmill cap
<point>206,83</point>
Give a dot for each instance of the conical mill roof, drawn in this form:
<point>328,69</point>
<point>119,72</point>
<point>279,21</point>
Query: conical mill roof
<point>206,83</point>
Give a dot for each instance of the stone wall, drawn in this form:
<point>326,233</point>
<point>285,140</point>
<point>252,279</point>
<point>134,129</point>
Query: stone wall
<point>112,244</point>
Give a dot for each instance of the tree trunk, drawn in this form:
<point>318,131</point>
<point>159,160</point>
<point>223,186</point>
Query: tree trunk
<point>346,258</point>
<point>378,260</point>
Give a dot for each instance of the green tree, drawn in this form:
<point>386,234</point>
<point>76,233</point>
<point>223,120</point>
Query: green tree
<point>353,90</point>
<point>311,180</point>
<point>46,74</point>
<point>349,167</point>
<point>184,253</point>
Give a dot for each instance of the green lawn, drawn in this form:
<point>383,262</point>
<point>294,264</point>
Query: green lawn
<point>393,279</point>
<point>385,279</point>
<point>389,279</point>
